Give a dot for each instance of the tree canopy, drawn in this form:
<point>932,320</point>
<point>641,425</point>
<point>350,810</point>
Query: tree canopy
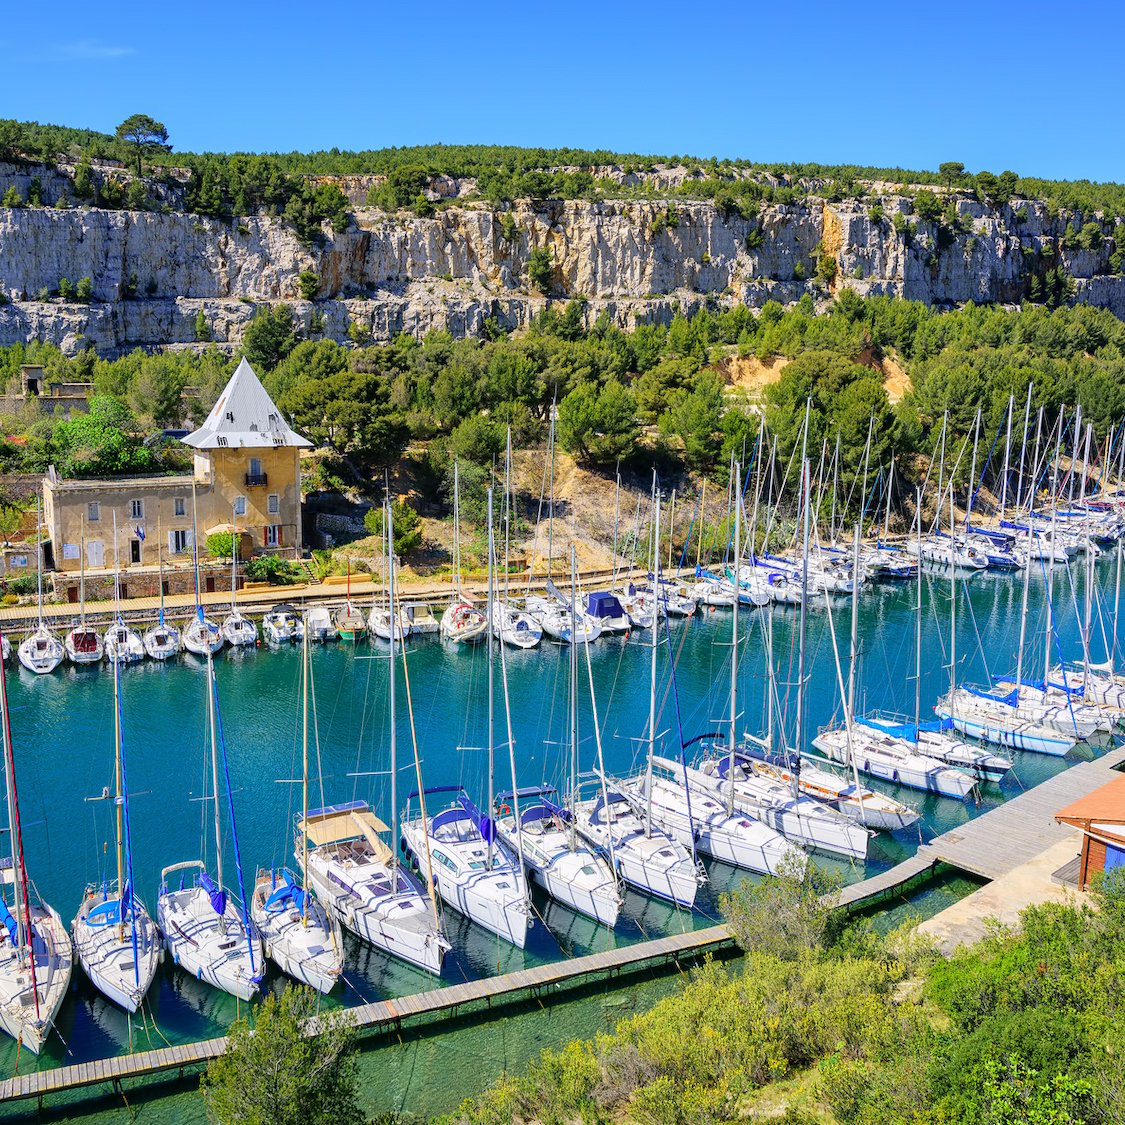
<point>144,136</point>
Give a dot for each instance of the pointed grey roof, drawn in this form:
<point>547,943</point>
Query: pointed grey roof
<point>245,417</point>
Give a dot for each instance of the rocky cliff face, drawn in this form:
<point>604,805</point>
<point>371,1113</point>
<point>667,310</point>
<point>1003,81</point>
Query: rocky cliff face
<point>154,272</point>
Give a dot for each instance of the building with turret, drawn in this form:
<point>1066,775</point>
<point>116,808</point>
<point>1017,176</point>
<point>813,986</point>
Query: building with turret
<point>246,476</point>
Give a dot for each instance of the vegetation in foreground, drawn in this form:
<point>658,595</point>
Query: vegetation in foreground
<point>859,1029</point>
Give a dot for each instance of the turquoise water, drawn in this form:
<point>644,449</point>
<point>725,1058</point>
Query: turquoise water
<point>63,726</point>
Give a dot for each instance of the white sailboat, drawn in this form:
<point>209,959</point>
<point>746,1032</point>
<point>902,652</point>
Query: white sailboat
<point>238,630</point>
<point>42,651</point>
<point>116,940</point>
<point>83,644</point>
<point>206,931</point>
<point>359,877</point>
<point>298,932</point>
<point>348,621</point>
<point>122,644</point>
<point>461,621</point>
<point>35,951</point>
<point>787,814</point>
<point>534,825</point>
<point>162,641</point>
<point>200,635</point>
<point>457,848</point>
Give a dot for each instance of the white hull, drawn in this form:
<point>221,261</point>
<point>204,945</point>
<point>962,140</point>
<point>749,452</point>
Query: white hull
<point>298,934</point>
<point>798,818</point>
<point>123,645</point>
<point>42,652</point>
<point>733,838</point>
<point>463,623</point>
<point>651,862</point>
<point>212,949</point>
<point>318,622</point>
<point>162,642</point>
<point>200,636</point>
<point>392,915</point>
<point>379,624</point>
<point>83,646</point>
<point>879,756</point>
<point>105,949</point>
<point>282,628</point>
<point>577,878</point>
<point>1003,728</point>
<point>514,627</point>
<point>239,631</point>
<point>54,960</point>
<point>495,899</point>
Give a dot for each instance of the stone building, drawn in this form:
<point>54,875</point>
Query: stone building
<point>246,475</point>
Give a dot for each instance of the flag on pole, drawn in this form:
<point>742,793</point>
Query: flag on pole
<point>140,532</point>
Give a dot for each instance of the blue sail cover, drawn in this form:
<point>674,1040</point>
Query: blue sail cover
<point>218,898</point>
<point>7,921</point>
<point>483,823</point>
<point>1041,685</point>
<point>906,731</point>
<point>288,892</point>
<point>604,606</point>
<point>1010,700</point>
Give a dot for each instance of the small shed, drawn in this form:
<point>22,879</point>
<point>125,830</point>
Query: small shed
<point>1101,818</point>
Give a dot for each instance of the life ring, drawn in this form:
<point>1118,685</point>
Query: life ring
<point>504,810</point>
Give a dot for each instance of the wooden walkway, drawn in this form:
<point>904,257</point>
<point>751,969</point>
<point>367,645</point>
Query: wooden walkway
<point>386,1015</point>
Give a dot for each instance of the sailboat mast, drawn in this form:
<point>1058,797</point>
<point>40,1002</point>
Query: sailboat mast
<point>1051,571</point>
<point>82,576</point>
<point>652,671</point>
<point>214,769</point>
<point>39,555</point>
<point>952,603</point>
<point>734,633</point>
<point>305,758</point>
<point>551,498</point>
<point>120,802</point>
<point>1023,450</point>
<point>802,626</point>
<point>616,514</point>
<point>488,640</point>
<point>388,519</point>
<point>1007,454</point>
<point>233,554</point>
<point>918,628</point>
<point>573,698</point>
<point>855,627</point>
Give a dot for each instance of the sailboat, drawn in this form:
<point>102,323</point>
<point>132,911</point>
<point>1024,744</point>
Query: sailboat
<point>932,738</point>
<point>238,630</point>
<point>162,641</point>
<point>457,848</point>
<point>359,877</point>
<point>461,621</point>
<point>348,621</point>
<point>42,651</point>
<point>200,635</point>
<point>512,625</point>
<point>299,933</point>
<point>122,644</point>
<point>206,931</point>
<point>35,951</point>
<point>535,825</point>
<point>82,644</point>
<point>721,778</point>
<point>115,938</point>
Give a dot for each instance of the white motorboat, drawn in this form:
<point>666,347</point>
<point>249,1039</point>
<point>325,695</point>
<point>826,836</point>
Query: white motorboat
<point>297,932</point>
<point>36,956</point>
<point>123,645</point>
<point>606,609</point>
<point>238,630</point>
<point>83,645</point>
<point>559,861</point>
<point>514,627</point>
<point>318,624</point>
<point>423,623</point>
<point>282,625</point>
<point>456,850</point>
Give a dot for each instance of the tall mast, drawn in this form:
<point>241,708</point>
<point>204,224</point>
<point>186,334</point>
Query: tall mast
<point>855,629</point>
<point>388,519</point>
<point>652,671</point>
<point>1051,570</point>
<point>802,627</point>
<point>952,604</point>
<point>39,555</point>
<point>734,634</point>
<point>488,640</point>
<point>1023,450</point>
<point>457,529</point>
<point>305,758</point>
<point>573,698</point>
<point>82,575</point>
<point>233,553</point>
<point>120,802</point>
<point>918,630</point>
<point>1007,454</point>
<point>215,771</point>
<point>616,514</point>
<point>551,497</point>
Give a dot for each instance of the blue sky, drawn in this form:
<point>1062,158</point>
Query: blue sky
<point>1034,87</point>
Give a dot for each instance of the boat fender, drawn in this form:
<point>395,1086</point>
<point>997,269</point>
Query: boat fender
<point>894,775</point>
<point>866,766</point>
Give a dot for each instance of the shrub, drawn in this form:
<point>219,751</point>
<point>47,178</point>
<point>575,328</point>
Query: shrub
<point>84,290</point>
<point>66,289</point>
<point>221,544</point>
<point>406,522</point>
<point>540,270</point>
<point>12,198</point>
<point>270,568</point>
<point>309,284</point>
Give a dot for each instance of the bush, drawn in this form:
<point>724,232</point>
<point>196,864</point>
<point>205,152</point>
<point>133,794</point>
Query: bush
<point>540,270</point>
<point>221,544</point>
<point>84,291</point>
<point>406,522</point>
<point>309,283</point>
<point>66,289</point>
<point>270,568</point>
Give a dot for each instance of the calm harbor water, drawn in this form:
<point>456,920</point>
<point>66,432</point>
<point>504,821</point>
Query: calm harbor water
<point>63,730</point>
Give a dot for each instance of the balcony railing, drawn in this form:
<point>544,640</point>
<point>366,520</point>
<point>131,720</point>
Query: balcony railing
<point>257,480</point>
